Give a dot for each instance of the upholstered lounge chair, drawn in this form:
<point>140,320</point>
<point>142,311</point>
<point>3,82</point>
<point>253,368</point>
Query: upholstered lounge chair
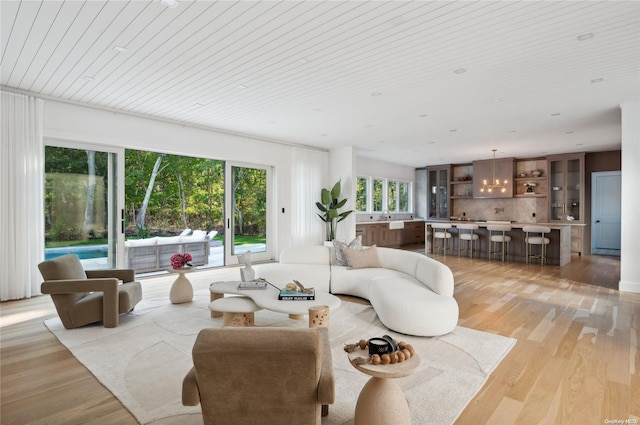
<point>82,297</point>
<point>261,375</point>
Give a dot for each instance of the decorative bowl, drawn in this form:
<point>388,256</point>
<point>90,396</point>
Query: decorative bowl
<point>536,173</point>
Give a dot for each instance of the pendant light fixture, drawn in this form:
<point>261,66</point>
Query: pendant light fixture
<point>495,184</point>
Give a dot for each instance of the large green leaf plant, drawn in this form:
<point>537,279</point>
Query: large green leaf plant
<point>329,205</point>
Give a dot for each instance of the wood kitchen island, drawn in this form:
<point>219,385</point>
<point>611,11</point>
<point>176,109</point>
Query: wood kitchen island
<point>558,250</point>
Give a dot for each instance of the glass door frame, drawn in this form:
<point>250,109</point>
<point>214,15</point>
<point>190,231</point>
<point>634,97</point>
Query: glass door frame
<point>115,193</point>
<point>229,257</point>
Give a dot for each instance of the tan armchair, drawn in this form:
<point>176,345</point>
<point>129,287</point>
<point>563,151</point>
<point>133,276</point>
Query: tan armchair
<point>82,297</point>
<point>261,376</point>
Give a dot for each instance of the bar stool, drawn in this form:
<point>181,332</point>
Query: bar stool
<point>498,235</point>
<point>531,240</point>
<point>466,235</point>
<point>440,231</point>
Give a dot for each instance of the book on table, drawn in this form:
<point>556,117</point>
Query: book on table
<point>296,295</point>
<point>253,284</point>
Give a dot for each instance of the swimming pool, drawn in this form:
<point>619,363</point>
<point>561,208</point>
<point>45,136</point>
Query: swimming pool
<point>84,252</point>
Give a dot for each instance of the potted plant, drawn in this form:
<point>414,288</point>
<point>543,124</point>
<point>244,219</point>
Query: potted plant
<point>329,205</point>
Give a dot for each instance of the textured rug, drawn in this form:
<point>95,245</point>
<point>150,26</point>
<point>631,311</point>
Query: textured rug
<point>143,360</point>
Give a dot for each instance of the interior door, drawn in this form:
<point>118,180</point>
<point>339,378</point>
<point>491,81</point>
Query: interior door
<point>247,212</point>
<point>606,213</point>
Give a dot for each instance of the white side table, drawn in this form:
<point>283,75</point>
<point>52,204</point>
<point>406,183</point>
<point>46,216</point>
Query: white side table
<point>181,290</point>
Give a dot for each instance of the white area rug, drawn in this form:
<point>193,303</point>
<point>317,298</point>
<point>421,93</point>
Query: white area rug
<point>143,360</point>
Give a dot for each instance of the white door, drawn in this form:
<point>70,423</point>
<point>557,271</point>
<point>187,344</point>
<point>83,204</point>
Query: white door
<point>605,213</point>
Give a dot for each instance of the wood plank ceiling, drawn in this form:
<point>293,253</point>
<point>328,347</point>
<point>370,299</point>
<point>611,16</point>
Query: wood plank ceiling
<point>409,82</point>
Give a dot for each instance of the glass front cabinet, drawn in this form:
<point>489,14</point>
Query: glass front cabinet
<point>566,188</point>
<point>438,192</point>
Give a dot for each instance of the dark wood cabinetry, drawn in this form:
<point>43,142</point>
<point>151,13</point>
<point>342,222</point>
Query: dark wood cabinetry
<point>379,234</point>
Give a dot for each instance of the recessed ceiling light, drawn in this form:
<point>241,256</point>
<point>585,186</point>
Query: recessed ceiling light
<point>586,36</point>
<point>568,132</point>
<point>497,100</point>
<point>199,105</point>
<point>597,80</point>
<point>120,49</point>
<point>555,114</point>
<point>460,71</point>
<point>513,131</point>
<point>368,126</point>
<point>376,94</point>
<point>423,115</point>
<point>452,131</point>
<point>317,110</point>
<point>398,20</point>
<point>431,143</point>
<point>303,60</point>
<point>88,78</point>
<point>324,135</point>
<point>170,3</point>
<point>579,144</point>
<point>242,86</point>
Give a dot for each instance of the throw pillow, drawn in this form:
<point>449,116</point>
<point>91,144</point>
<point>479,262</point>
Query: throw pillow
<point>360,259</point>
<point>341,260</point>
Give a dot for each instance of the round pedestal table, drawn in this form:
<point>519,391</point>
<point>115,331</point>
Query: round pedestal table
<point>381,401</point>
<point>181,290</point>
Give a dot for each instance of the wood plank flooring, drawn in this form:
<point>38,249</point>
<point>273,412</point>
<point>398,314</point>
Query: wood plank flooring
<point>576,360</point>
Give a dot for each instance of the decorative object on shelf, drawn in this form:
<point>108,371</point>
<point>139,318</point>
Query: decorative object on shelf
<point>522,175</point>
<point>329,206</point>
<point>384,350</point>
<point>258,283</point>
<point>495,184</point>
<point>530,190</point>
<point>181,261</point>
<point>247,273</point>
<point>466,178</point>
<point>536,173</point>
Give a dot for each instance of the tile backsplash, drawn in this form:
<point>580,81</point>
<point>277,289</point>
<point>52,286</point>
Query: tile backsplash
<point>515,209</point>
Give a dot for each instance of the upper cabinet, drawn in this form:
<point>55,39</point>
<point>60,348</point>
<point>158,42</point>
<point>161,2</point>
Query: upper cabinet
<point>438,191</point>
<point>461,181</point>
<point>566,187</point>
<point>488,171</point>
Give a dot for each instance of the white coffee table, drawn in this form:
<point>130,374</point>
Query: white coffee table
<point>268,299</point>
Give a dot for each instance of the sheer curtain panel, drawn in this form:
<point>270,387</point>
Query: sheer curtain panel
<point>310,170</point>
<point>21,196</point>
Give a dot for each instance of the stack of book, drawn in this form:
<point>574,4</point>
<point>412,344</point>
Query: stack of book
<point>286,295</point>
<point>253,284</point>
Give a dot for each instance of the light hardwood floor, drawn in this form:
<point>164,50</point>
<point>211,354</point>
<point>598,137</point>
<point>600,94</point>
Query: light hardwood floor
<point>576,360</point>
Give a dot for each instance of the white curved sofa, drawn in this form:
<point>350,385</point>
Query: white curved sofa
<point>411,293</point>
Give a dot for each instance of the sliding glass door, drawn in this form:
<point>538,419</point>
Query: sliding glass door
<point>247,212</point>
<point>81,205</point>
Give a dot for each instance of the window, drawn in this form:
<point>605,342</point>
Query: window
<point>362,194</point>
<point>377,195</point>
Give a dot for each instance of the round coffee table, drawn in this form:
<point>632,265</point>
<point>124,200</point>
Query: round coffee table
<point>381,400</point>
<point>268,299</point>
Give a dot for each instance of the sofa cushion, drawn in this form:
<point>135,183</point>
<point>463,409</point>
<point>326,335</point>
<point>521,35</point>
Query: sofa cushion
<point>341,258</point>
<point>362,258</point>
<point>307,254</point>
<point>402,261</point>
<point>66,267</point>
<point>405,305</point>
<point>348,281</point>
<point>170,240</point>
<point>140,242</point>
<point>435,275</point>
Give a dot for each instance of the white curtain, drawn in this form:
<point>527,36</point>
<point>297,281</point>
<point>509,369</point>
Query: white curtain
<point>21,196</point>
<point>309,174</point>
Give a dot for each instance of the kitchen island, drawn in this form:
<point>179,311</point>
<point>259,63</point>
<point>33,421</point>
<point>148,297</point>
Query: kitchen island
<point>558,250</point>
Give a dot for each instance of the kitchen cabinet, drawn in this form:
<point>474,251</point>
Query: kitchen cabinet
<point>566,188</point>
<point>413,233</point>
<point>379,234</point>
<point>490,170</point>
<point>438,191</point>
<point>461,181</point>
<point>566,194</point>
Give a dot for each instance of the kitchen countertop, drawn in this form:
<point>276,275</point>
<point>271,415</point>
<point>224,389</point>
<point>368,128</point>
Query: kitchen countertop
<point>483,223</point>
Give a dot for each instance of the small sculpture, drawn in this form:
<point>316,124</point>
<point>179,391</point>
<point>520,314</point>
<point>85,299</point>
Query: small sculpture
<point>247,273</point>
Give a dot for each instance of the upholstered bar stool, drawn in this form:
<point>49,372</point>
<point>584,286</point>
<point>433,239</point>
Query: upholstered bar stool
<point>466,235</point>
<point>440,232</point>
<point>498,235</point>
<point>535,235</point>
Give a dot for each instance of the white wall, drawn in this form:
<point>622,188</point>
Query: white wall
<point>68,122</point>
<point>375,168</point>
<point>342,166</point>
<point>630,243</point>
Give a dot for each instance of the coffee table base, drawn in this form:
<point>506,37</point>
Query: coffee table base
<point>382,402</point>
